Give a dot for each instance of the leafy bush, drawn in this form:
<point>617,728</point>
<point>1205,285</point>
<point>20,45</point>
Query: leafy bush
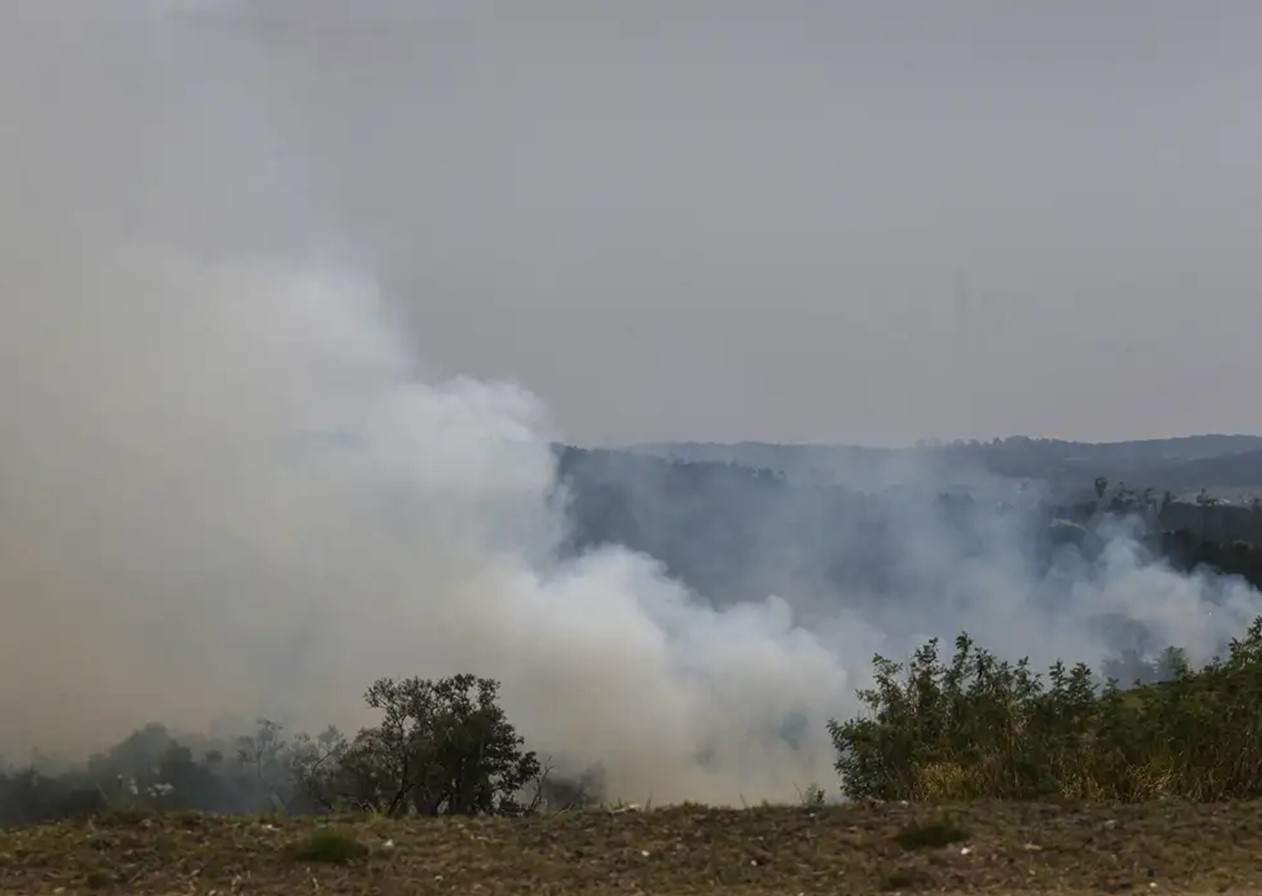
<point>442,747</point>
<point>931,834</point>
<point>333,847</point>
<point>978,727</point>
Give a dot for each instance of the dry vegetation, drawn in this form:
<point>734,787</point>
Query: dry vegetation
<point>1018,783</point>
<point>1167,847</point>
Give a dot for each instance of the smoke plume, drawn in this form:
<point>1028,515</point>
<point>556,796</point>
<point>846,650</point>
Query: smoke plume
<point>229,487</point>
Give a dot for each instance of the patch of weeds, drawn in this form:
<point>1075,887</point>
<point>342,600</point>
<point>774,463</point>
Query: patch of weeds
<point>903,879</point>
<point>330,846</point>
<point>931,834</point>
<point>813,797</point>
<point>101,842</point>
<point>98,880</point>
<point>191,821</point>
<point>354,817</point>
<point>125,817</point>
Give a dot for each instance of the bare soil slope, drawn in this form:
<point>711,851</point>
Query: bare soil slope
<point>999,848</point>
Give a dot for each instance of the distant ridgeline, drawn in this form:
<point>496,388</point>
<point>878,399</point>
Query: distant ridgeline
<point>1226,463</point>
<point>732,531</point>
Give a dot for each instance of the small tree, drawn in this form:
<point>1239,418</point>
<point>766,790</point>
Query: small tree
<point>259,756</point>
<point>443,748</point>
<point>314,768</point>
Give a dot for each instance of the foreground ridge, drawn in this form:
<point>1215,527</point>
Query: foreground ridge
<point>1167,847</point>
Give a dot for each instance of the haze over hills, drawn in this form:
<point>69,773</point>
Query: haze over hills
<point>1229,466</point>
<point>299,298</point>
<point>738,522</point>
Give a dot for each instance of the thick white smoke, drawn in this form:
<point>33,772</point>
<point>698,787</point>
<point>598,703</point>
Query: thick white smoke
<point>227,486</point>
<point>225,490</point>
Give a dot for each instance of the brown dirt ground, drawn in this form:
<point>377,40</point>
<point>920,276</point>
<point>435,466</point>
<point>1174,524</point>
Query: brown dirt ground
<point>1009,848</point>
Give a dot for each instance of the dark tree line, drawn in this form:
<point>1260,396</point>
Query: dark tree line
<point>442,747</point>
<point>446,747</point>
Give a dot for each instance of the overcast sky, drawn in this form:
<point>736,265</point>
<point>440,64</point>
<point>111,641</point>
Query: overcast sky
<point>831,221</point>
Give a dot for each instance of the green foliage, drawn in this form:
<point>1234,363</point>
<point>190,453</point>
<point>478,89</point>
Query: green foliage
<point>298,775</point>
<point>443,748</point>
<point>1186,552</point>
<point>329,846</point>
<point>813,797</point>
<point>977,727</point>
<point>931,834</point>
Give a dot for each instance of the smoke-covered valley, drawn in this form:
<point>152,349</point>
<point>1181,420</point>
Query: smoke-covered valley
<point>230,487</point>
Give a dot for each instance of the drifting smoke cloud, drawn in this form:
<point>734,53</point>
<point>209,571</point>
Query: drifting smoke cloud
<point>227,487</point>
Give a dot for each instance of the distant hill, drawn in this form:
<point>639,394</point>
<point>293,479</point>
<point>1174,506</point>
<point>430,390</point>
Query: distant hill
<point>1215,462</point>
<point>735,531</point>
<point>1240,471</point>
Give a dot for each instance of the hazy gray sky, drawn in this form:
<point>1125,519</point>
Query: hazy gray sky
<point>785,220</point>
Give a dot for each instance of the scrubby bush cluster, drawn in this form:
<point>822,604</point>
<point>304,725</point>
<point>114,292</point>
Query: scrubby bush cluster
<point>967,726</point>
<point>979,727</point>
<point>441,747</point>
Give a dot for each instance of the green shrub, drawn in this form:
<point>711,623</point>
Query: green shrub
<point>931,834</point>
<point>331,846</point>
<point>982,728</point>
